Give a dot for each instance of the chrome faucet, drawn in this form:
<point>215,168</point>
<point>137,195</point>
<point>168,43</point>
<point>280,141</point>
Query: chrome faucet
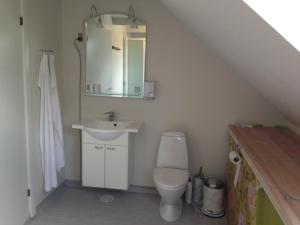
<point>111,115</point>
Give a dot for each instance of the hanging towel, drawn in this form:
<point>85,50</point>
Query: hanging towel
<point>51,133</point>
<point>58,130</point>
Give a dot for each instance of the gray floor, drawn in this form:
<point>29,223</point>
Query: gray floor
<point>71,206</point>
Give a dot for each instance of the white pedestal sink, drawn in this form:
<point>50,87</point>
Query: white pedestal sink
<point>107,130</point>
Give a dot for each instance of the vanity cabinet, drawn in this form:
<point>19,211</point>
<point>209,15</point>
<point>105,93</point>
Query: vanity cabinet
<point>105,163</point>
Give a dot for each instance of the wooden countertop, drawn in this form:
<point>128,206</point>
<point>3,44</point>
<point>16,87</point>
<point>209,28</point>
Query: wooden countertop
<point>274,156</point>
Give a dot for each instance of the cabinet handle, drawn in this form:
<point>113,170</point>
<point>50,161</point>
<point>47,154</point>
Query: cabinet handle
<point>98,147</point>
<point>111,148</point>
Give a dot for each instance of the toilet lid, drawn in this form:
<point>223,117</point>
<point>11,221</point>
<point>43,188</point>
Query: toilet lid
<point>170,177</point>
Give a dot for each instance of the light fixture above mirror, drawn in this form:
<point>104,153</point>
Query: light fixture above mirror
<point>132,22</point>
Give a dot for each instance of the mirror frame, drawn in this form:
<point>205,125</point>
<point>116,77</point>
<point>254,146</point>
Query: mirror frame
<point>83,60</point>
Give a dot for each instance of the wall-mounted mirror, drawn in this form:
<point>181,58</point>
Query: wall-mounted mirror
<point>114,56</point>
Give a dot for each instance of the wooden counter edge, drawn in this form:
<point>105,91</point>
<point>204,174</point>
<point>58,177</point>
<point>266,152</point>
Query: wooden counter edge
<point>275,202</point>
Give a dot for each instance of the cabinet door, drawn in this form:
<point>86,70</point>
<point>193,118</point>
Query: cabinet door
<point>93,157</point>
<point>116,167</point>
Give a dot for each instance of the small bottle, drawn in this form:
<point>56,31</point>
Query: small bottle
<point>99,88</point>
<point>189,192</point>
<point>94,88</point>
<point>88,88</point>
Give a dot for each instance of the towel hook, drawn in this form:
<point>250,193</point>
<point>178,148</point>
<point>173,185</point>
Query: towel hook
<point>48,51</point>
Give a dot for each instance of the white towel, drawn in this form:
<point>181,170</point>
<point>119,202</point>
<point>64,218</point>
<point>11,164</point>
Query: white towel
<point>51,133</point>
<point>58,130</point>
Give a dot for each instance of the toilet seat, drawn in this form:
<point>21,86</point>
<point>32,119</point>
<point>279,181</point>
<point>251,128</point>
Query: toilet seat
<point>170,178</point>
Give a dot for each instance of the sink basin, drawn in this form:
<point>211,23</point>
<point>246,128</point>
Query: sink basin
<point>104,136</point>
<point>107,130</point>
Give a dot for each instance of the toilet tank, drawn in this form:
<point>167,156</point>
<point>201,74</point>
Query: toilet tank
<point>172,152</point>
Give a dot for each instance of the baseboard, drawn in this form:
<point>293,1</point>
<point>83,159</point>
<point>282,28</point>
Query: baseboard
<point>73,183</point>
<point>132,188</point>
<point>142,189</point>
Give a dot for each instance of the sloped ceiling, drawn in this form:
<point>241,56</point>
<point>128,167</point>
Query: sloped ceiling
<point>243,39</point>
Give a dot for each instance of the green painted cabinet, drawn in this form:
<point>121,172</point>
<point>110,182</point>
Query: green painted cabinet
<point>248,204</point>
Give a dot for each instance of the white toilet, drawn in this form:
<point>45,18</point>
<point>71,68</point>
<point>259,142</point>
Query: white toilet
<point>171,174</point>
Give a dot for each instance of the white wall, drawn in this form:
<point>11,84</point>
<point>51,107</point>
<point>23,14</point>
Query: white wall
<point>260,54</point>
<point>13,168</point>
<point>42,24</point>
<point>197,92</point>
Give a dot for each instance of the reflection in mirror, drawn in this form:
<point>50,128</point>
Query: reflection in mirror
<point>114,56</point>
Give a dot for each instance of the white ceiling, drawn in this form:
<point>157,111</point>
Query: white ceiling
<point>250,45</point>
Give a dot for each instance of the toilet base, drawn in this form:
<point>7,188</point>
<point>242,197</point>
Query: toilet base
<point>169,212</point>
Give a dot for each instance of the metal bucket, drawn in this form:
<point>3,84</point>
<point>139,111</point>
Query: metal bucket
<point>213,197</point>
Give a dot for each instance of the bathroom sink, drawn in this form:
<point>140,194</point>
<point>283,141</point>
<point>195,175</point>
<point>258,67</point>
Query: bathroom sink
<point>107,130</point>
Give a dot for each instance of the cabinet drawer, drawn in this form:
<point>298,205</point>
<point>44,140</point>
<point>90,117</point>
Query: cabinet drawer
<point>93,162</point>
